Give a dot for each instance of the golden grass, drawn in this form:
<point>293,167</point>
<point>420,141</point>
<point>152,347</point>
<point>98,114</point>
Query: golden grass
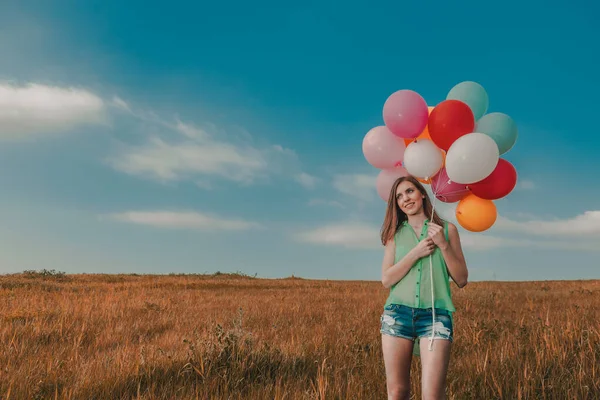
<point>231,336</point>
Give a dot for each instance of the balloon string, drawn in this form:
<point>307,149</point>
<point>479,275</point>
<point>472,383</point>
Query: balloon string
<point>442,185</point>
<point>431,281</point>
<point>436,189</point>
<point>456,192</point>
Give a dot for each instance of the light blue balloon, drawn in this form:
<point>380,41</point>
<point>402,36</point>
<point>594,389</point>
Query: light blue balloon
<point>499,127</point>
<point>473,94</point>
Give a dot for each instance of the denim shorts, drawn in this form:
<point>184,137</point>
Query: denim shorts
<point>412,323</point>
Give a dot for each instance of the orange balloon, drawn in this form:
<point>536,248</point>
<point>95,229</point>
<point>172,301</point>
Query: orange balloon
<point>422,135</point>
<point>476,214</point>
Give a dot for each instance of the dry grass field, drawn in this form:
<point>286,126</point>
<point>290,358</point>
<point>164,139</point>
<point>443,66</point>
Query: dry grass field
<point>231,337</point>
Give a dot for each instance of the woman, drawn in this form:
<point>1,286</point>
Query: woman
<point>421,251</point>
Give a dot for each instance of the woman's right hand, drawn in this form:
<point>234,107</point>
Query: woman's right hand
<point>424,248</point>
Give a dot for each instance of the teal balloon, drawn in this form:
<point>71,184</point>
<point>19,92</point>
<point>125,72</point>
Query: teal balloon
<point>473,94</point>
<point>499,127</point>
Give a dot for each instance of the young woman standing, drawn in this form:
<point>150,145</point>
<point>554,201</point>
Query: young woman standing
<point>422,252</point>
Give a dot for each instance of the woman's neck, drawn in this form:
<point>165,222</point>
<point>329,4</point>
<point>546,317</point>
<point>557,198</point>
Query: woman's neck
<point>416,220</point>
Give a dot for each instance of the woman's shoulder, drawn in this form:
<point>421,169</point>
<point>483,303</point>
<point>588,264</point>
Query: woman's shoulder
<point>451,231</point>
<point>449,225</point>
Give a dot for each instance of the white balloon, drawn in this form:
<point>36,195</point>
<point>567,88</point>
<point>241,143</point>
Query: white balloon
<point>423,159</point>
<point>471,158</point>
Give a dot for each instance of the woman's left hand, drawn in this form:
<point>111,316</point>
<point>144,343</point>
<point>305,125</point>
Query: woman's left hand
<point>436,233</point>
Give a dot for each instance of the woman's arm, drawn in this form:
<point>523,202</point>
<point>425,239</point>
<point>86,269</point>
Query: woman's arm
<point>454,257</point>
<point>392,273</point>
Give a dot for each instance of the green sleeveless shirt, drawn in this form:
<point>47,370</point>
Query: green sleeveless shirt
<point>414,289</point>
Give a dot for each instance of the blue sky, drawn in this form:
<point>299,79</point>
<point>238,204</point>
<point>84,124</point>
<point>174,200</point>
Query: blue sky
<point>202,137</point>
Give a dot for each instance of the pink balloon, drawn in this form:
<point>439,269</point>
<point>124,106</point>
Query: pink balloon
<point>382,148</point>
<point>447,192</point>
<point>386,179</point>
<point>405,113</point>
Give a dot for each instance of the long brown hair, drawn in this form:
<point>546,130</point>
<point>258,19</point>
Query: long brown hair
<point>394,216</point>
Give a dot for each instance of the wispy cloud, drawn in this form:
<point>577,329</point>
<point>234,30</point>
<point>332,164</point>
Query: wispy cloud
<point>120,104</point>
<point>35,109</point>
<point>184,220</point>
<point>172,151</point>
<point>581,225</point>
<point>323,202</point>
<point>359,186</point>
<point>526,185</point>
<point>178,151</point>
<point>483,241</point>
<point>366,236</point>
<point>306,180</point>
<point>349,235</point>
<point>176,160</point>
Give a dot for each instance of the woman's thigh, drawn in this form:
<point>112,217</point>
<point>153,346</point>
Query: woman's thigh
<point>397,357</point>
<point>442,328</point>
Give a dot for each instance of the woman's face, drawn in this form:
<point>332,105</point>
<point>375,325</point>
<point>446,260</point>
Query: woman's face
<point>409,198</point>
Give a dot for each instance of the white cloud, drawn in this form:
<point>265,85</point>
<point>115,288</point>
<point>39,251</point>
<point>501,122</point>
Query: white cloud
<point>184,220</point>
<point>186,159</point>
<point>349,235</point>
<point>173,150</point>
<point>581,225</point>
<point>192,132</point>
<point>177,151</point>
<point>360,186</point>
<point>366,236</point>
<point>35,109</point>
<point>526,185</point>
<point>482,242</point>
<point>121,104</point>
<point>306,180</point>
<point>323,202</point>
<point>204,184</point>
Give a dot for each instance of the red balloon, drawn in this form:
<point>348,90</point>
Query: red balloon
<point>448,121</point>
<point>498,184</point>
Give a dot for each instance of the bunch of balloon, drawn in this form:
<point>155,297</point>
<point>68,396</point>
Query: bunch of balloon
<point>455,147</point>
<point>405,116</point>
